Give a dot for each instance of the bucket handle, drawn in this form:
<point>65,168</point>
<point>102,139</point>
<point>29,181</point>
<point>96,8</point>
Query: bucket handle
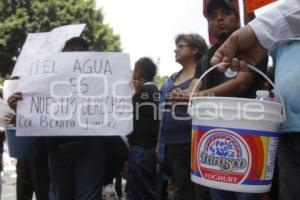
<point>249,66</point>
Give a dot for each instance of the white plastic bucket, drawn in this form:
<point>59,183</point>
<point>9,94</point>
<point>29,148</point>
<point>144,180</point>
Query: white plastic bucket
<point>234,141</point>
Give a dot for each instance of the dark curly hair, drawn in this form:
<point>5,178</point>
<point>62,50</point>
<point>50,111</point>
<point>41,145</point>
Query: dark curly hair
<point>146,67</point>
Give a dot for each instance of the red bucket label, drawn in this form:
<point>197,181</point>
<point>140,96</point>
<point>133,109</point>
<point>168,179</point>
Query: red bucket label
<point>223,156</point>
<point>233,156</point>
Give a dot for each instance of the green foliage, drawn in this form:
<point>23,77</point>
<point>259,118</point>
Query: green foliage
<point>2,79</point>
<point>160,80</point>
<point>19,17</point>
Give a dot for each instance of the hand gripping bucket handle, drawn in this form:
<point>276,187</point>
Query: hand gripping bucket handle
<point>249,66</point>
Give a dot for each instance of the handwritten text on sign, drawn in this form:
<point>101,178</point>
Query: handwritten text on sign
<point>84,93</point>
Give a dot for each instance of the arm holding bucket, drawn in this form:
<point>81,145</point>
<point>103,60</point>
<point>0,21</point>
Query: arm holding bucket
<point>252,42</point>
<point>242,46</point>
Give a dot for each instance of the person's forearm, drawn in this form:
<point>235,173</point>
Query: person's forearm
<point>233,87</point>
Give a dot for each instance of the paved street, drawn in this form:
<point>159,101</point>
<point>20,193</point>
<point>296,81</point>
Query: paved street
<point>9,188</point>
<point>8,177</point>
<point>8,182</point>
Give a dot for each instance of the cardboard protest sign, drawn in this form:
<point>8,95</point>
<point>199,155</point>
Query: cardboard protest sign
<point>76,93</point>
<point>44,43</point>
<point>252,5</point>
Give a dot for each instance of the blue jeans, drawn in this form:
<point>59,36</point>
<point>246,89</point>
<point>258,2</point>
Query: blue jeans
<point>77,171</point>
<point>227,195</point>
<point>141,179</point>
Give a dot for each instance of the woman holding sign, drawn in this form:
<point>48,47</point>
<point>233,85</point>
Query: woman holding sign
<point>76,164</point>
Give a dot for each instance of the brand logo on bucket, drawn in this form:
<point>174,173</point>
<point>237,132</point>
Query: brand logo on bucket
<point>223,156</point>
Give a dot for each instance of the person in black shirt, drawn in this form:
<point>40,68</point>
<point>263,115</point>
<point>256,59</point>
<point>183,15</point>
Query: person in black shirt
<point>142,157</point>
<point>77,163</point>
<point>224,20</point>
